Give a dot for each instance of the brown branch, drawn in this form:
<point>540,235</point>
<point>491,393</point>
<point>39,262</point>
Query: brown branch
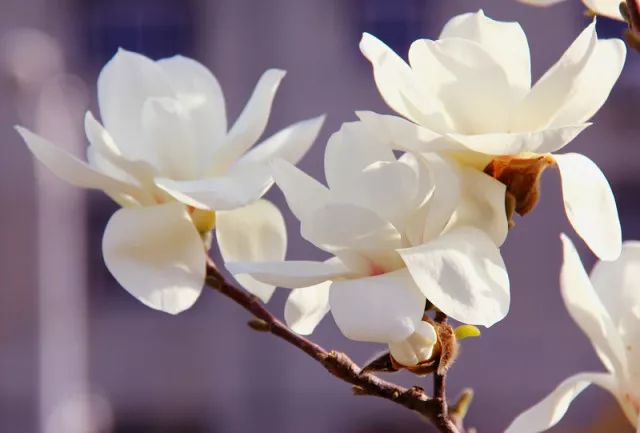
<point>339,364</point>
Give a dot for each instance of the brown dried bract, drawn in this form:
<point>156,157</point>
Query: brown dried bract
<point>521,175</point>
<point>630,11</point>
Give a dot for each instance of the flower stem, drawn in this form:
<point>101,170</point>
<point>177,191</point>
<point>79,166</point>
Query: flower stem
<point>339,364</point>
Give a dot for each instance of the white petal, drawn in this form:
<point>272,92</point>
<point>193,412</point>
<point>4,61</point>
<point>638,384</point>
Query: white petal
<point>482,205</point>
<point>394,78</point>
<point>463,274</point>
<point>618,288</point>
<point>200,94</point>
<point>471,86</point>
<point>591,87</point>
<point>110,160</point>
<point>513,143</point>
<point>607,8</point>
<point>77,172</point>
<point>252,121</point>
<point>124,84</point>
<point>378,309</point>
<point>350,150</point>
<point>405,135</point>
<point>306,307</point>
<point>289,144</point>
<point>549,411</point>
<point>236,189</point>
<point>170,140</point>
<point>253,233</point>
<point>416,348</point>
<point>575,88</point>
<point>590,204</point>
<point>303,193</point>
<point>337,227</point>
<point>292,274</point>
<point>157,255</point>
<point>587,310</point>
<point>505,41</point>
<point>436,212</point>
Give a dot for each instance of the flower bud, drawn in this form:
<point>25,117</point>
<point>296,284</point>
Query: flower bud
<point>416,348</point>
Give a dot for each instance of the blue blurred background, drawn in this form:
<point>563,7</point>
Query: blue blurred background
<point>79,355</point>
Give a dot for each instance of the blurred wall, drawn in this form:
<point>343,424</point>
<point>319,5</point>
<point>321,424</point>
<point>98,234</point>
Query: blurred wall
<point>204,370</point>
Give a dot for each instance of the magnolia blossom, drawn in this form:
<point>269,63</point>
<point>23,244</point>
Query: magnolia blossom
<point>606,306</point>
<point>401,231</point>
<point>468,95</point>
<point>165,155</point>
<point>607,8</point>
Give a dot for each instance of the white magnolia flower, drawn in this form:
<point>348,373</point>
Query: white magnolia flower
<point>165,155</point>
<point>606,8</point>
<point>607,308</point>
<point>401,231</point>
<point>469,95</point>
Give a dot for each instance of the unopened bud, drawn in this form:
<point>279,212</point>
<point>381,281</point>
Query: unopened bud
<point>416,348</point>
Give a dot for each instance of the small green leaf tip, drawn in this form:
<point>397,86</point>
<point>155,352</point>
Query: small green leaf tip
<point>466,331</point>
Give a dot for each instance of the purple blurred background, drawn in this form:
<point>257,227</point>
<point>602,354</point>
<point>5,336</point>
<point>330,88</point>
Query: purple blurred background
<point>79,355</point>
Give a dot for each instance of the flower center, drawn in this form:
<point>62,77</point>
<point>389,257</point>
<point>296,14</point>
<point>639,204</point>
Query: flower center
<point>203,220</point>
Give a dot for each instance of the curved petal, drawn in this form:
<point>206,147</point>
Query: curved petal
<point>338,227</point>
<point>306,307</point>
<point>157,255</point>
<point>349,151</point>
<point>405,135</point>
<point>505,41</point>
<point>616,284</point>
<point>200,94</point>
<point>606,8</point>
<point>252,121</point>
<point>482,205</point>
<point>513,143</point>
<point>472,88</point>
<point>463,274</point>
<point>416,348</point>
<point>303,193</point>
<point>289,144</point>
<point>394,78</point>
<point>124,84</point>
<point>587,310</point>
<point>550,410</point>
<point>169,139</point>
<point>378,309</point>
<point>590,204</point>
<point>591,87</point>
<point>79,173</point>
<point>236,189</point>
<point>575,88</point>
<point>436,212</point>
<point>104,154</point>
<point>253,233</point>
<point>292,274</point>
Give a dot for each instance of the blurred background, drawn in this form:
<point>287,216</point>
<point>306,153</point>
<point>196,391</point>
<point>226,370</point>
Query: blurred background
<point>79,355</point>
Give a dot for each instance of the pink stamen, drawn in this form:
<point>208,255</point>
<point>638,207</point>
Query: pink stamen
<point>635,403</point>
<point>376,269</point>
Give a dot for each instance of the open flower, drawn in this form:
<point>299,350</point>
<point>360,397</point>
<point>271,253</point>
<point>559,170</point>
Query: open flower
<point>469,95</point>
<point>401,231</point>
<point>165,155</point>
<point>607,308</point>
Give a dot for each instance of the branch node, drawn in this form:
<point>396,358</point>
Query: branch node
<point>259,325</point>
